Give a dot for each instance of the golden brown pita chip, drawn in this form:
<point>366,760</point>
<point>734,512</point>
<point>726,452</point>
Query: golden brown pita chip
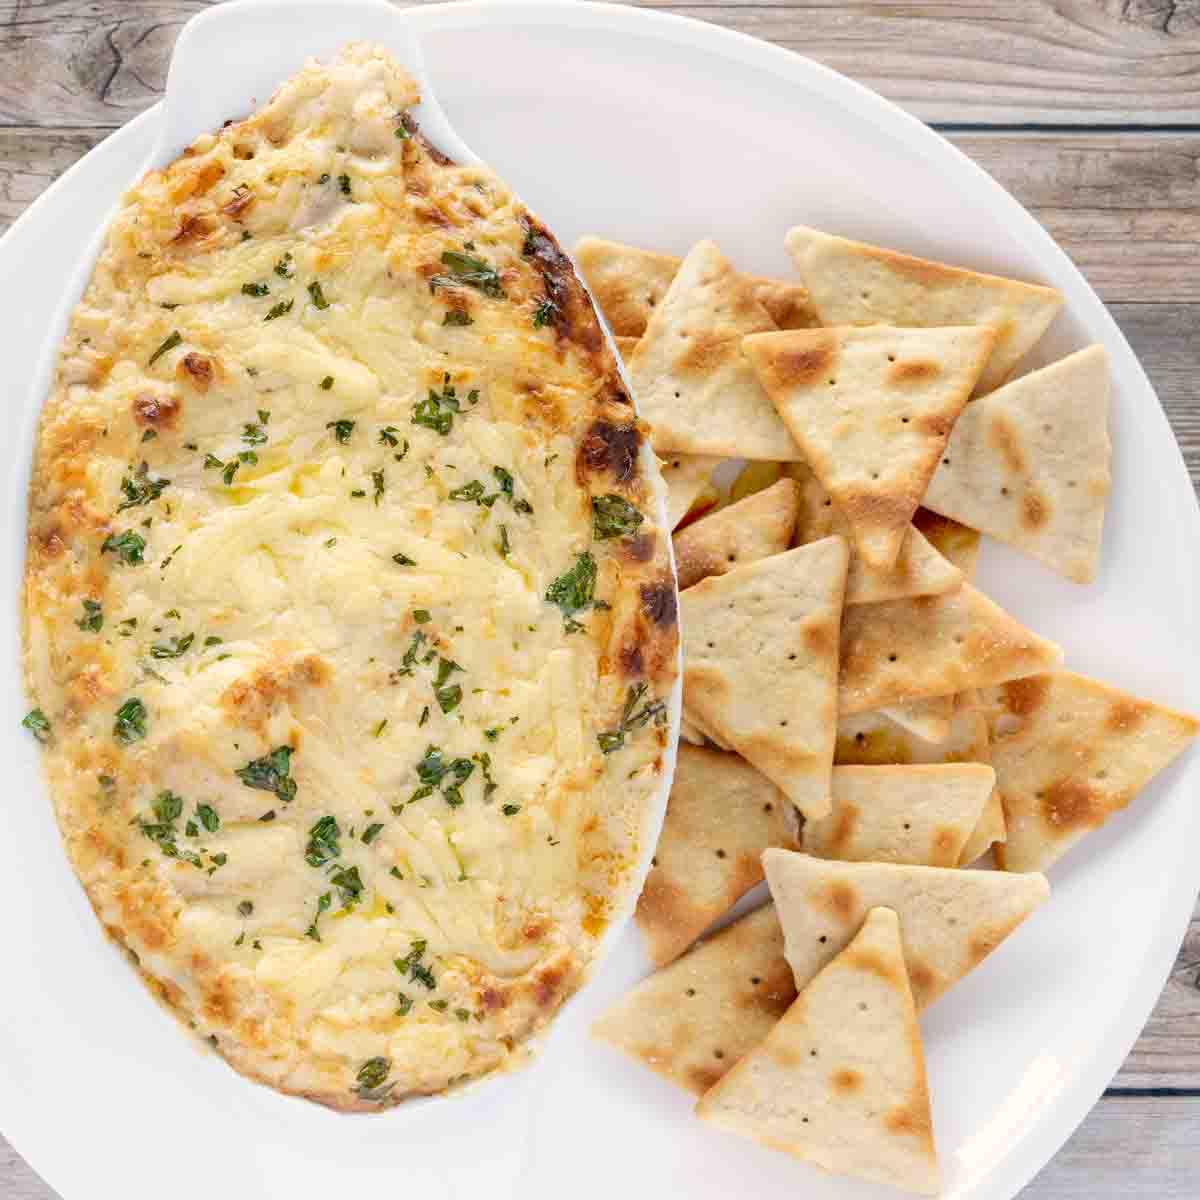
<point>693,1020</point>
<point>754,528</point>
<point>840,1080</point>
<point>871,409</point>
<point>929,718</point>
<point>1029,464</point>
<point>628,284</point>
<point>921,815</point>
<point>954,542</point>
<point>1069,752</point>
<point>855,284</point>
<point>693,384</point>
<point>760,664</point>
<point>686,477</point>
<point>721,816</point>
<point>950,920</point>
<point>905,650</point>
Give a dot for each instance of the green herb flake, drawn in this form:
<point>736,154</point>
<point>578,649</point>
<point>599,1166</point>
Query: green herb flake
<point>349,885</point>
<point>317,295</point>
<point>632,718</point>
<point>141,489</point>
<point>422,616</point>
<point>402,560</point>
<point>504,546</point>
<point>323,845</point>
<point>207,816</point>
<point>493,734</point>
<point>253,434</point>
<point>457,316</point>
<point>284,268</point>
<point>37,724</point>
<point>470,271</point>
<point>255,289</point>
<point>371,833</point>
<point>174,647</point>
<point>448,698</point>
<point>130,723</point>
<point>173,340</point>
<point>574,590</point>
<point>387,436</point>
<point>279,310</point>
<point>378,484</point>
<point>471,492</point>
<point>92,620</point>
<point>213,640</point>
<point>129,547</point>
<point>342,429</point>
<point>344,184</point>
<point>149,435</point>
<point>245,908</point>
<point>510,810</point>
<point>271,773</point>
<point>613,516</point>
<point>545,313</point>
<point>439,1005</point>
<point>326,383</point>
<point>403,1005</point>
<point>437,410</point>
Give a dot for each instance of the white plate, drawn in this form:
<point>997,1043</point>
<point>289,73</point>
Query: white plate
<point>658,131</point>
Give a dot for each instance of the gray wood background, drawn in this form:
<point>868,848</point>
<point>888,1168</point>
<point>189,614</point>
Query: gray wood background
<point>1087,110</point>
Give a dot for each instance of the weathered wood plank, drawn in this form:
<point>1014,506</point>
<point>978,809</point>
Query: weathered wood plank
<point>1126,207</point>
<point>97,62</point>
<point>1128,1146</point>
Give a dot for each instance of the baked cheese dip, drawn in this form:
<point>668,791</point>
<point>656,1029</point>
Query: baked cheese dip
<point>348,624</point>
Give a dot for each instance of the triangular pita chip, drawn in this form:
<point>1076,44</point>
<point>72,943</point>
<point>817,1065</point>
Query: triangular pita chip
<point>870,738</point>
<point>991,827</point>
<point>921,815</point>
<point>754,528</point>
<point>919,570</point>
<point>871,409</point>
<point>721,816</point>
<point>693,1020</point>
<point>855,284</point>
<point>686,477</point>
<point>950,919</point>
<point>692,383</point>
<point>929,718</point>
<point>1029,464</point>
<point>954,542</point>
<point>840,1081</point>
<point>760,651</point>
<point>629,283</point>
<point>1069,752</point>
<point>905,650</point>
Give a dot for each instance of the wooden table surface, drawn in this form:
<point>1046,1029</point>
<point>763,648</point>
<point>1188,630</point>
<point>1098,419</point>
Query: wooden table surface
<point>1088,111</point>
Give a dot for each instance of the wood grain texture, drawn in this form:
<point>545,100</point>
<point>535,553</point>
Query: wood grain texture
<point>1098,62</point>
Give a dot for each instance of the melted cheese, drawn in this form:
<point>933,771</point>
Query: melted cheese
<point>267,319</point>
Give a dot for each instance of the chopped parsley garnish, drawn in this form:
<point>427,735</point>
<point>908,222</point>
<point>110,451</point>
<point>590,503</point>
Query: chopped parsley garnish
<point>284,268</point>
<point>126,627</point>
<point>130,723</point>
<point>545,313</point>
<point>472,491</point>
<point>172,648</point>
<point>37,724</point>
<point>613,517</point>
<point>432,767</point>
<point>505,480</point>
<point>574,590</point>
<point>378,484</point>
<point>245,908</point>
<point>387,436</point>
<point>349,884</point>
<point>371,832</point>
<point>149,435</point>
<point>403,1005</point>
<point>323,843</point>
<point>462,1014</point>
<point>255,289</point>
<point>439,1005</point>
<point>324,900</point>
<point>503,546</point>
<point>128,547</point>
<point>374,1072</point>
<point>410,655</point>
<point>493,733</point>
<point>510,810</point>
<point>326,383</point>
<point>471,271</point>
<point>457,316</point>
<point>279,310</point>
<point>317,295</point>
<point>253,435</point>
<point>422,616</point>
<point>448,698</point>
<point>271,773</point>
<point>402,560</point>
<point>631,719</point>
<point>490,786</point>
<point>141,489</point>
<point>213,640</point>
<point>412,966</point>
<point>344,184</point>
<point>207,816</point>
<point>175,339</point>
<point>424,717</point>
<point>359,494</point>
<point>92,620</point>
<point>437,410</point>
<point>342,429</point>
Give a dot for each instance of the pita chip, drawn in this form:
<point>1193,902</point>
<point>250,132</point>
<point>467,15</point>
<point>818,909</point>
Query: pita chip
<point>1029,464</point>
<point>686,477</point>
<point>921,815</point>
<point>871,409</point>
<point>1069,752</point>
<point>929,718</point>
<point>692,382</point>
<point>871,739</point>
<point>691,1021</point>
<point>628,284</point>
<point>721,815</point>
<point>905,650</point>
<point>689,732</point>
<point>855,284</point>
<point>760,668</point>
<point>840,1080</point>
<point>991,827</point>
<point>950,920</point>
<point>919,569</point>
<point>954,542</point>
<point>754,528</point>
